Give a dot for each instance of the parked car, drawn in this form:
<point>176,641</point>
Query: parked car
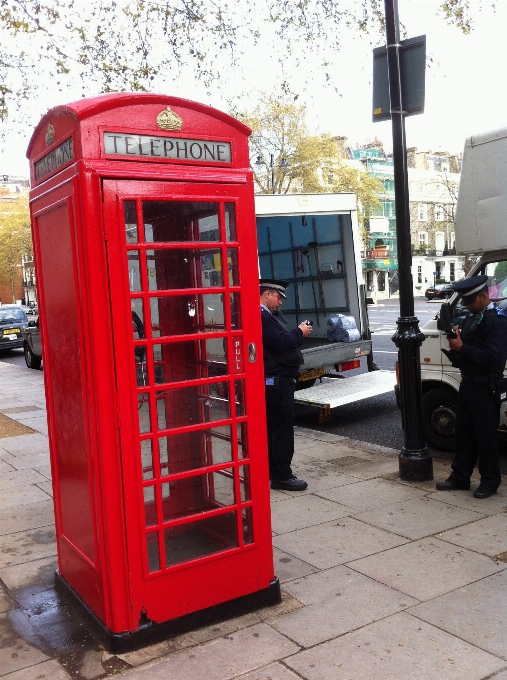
<point>32,345</point>
<point>441,291</point>
<point>13,322</point>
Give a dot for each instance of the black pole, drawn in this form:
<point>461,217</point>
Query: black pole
<point>415,462</point>
<point>272,174</point>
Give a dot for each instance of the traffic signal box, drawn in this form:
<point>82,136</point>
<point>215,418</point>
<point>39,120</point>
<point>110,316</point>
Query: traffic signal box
<point>145,248</point>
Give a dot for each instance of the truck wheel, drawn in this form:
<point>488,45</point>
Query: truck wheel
<point>439,418</point>
<point>32,361</point>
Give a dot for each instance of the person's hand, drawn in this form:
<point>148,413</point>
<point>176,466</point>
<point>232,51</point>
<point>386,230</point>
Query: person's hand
<point>305,328</point>
<point>456,343</point>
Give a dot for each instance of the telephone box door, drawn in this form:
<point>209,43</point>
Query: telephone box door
<point>184,288</point>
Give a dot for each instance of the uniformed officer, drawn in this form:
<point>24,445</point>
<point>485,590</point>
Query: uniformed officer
<point>479,350</point>
<point>282,359</point>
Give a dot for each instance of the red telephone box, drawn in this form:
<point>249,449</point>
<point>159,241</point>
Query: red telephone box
<point>145,248</point>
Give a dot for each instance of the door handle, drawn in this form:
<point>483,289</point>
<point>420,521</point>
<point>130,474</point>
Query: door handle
<point>252,353</point>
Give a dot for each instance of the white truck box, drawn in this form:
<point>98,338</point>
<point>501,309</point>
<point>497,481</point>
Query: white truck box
<point>481,212</point>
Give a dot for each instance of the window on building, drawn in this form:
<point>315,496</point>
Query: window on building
<point>439,213</point>
<point>423,240</point>
<point>419,274</point>
<point>422,212</point>
<point>439,242</point>
<point>452,271</point>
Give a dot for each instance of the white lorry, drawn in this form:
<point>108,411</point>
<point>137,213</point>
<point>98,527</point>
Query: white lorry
<point>481,230</point>
<point>312,241</point>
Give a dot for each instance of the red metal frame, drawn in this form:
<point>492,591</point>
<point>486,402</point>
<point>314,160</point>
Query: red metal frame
<point>99,485</point>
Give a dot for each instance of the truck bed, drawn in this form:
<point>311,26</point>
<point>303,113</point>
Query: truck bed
<point>330,353</point>
<point>340,391</point>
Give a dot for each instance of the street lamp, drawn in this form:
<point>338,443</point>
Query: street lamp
<point>283,165</point>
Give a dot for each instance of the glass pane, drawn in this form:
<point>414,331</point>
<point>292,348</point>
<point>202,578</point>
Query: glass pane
<point>140,366</point>
<point>129,211</point>
<point>235,312</point>
<point>175,361</point>
<point>192,450</point>
<point>167,221</point>
<point>136,305</point>
<point>230,222</point>
<point>153,555</point>
<point>497,283</point>
<point>232,258</point>
<point>150,509</point>
<point>240,397</point>
<point>197,539</point>
<point>242,440</point>
<point>143,406</point>
<point>247,525</point>
<point>192,405</point>
<point>185,314</point>
<point>198,494</point>
<point>244,482</point>
<point>147,458</point>
<point>184,268</point>
<point>134,271</point>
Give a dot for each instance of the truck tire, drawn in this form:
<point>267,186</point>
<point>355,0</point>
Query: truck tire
<point>439,419</point>
<point>31,359</point>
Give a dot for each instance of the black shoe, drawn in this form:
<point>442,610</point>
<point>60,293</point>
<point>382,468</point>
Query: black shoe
<point>451,485</point>
<point>483,492</point>
<point>291,484</point>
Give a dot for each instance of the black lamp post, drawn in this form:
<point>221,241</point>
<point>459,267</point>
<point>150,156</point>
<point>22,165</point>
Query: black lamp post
<point>415,462</point>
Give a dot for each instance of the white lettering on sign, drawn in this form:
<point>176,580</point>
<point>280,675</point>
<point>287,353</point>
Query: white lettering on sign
<point>54,159</point>
<point>120,144</point>
<point>238,357</point>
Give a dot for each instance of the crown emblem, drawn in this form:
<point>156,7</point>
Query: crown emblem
<point>50,135</point>
<point>168,120</point>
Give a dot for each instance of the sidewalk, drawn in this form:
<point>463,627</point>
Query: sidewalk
<point>381,579</point>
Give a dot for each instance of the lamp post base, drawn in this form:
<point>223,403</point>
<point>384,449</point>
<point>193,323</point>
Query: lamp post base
<point>415,467</point>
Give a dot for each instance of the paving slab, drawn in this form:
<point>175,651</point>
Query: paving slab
<point>475,613</point>
<point>37,571</point>
<point>465,499</point>
<point>10,480</point>
<point>27,517</point>
<point>487,536</point>
<point>25,461</point>
<point>222,659</point>
<point>427,568</point>
<point>418,518</point>
<point>21,495</point>
<point>47,670</point>
<point>6,602</point>
<point>339,600</point>
<point>44,470</point>
<point>5,467</point>
<point>371,493</point>
<point>305,511</point>
<point>26,546</point>
<point>25,444</point>
<point>327,545</point>
<point>288,567</point>
<point>398,647</point>
<point>369,469</point>
<point>18,648</point>
<point>275,671</point>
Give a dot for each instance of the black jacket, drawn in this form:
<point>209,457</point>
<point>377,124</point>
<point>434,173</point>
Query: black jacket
<point>282,355</point>
<point>484,349</point>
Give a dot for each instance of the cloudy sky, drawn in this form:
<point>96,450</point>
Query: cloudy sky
<point>465,84</point>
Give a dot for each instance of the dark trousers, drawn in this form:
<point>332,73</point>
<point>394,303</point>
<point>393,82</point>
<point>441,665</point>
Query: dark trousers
<point>280,425</point>
<point>477,416</point>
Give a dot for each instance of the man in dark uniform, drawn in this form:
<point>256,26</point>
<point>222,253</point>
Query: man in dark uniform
<point>479,350</point>
<point>282,359</point>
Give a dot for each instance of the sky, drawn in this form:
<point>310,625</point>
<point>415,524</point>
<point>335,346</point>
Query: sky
<point>464,85</point>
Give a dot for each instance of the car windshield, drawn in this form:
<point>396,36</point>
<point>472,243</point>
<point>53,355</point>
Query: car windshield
<point>7,315</point>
